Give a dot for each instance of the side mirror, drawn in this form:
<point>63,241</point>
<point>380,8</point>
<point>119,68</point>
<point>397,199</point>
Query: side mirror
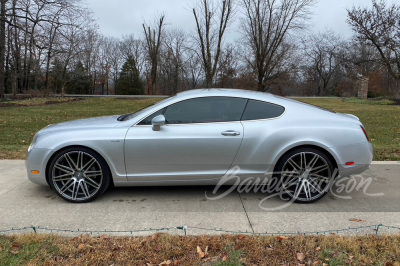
<point>157,122</point>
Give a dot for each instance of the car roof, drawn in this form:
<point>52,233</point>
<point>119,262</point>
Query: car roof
<point>224,92</point>
<point>255,95</point>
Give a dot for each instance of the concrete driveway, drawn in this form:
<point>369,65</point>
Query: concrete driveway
<point>23,203</point>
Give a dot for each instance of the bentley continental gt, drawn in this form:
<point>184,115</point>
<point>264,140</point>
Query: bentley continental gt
<point>194,138</point>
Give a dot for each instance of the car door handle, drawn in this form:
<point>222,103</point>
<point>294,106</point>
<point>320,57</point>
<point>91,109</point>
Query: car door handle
<point>230,133</point>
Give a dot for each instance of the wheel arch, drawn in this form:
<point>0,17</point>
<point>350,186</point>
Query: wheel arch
<point>76,146</point>
<point>313,146</point>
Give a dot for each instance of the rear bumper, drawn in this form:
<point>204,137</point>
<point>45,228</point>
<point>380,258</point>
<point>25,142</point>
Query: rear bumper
<point>36,160</point>
<point>361,154</point>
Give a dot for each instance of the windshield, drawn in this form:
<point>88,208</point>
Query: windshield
<point>132,115</point>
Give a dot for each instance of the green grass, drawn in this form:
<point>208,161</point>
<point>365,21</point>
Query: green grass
<point>18,124</point>
<point>23,249</point>
<point>382,123</point>
<point>370,102</point>
<point>36,101</point>
<point>232,257</point>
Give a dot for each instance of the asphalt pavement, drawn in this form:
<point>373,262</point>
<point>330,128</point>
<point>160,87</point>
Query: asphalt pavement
<point>371,199</point>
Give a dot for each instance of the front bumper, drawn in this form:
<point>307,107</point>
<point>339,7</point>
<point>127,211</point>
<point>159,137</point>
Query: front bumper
<point>36,160</point>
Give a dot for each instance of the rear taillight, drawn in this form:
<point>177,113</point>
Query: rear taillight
<point>365,133</point>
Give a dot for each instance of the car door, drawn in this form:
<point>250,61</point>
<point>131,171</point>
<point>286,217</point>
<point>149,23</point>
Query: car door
<point>255,156</point>
<point>199,141</point>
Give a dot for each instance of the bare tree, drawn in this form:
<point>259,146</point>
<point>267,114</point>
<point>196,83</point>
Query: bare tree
<point>265,26</point>
<point>115,58</point>
<point>131,47</point>
<point>227,67</point>
<point>194,68</point>
<point>53,26</point>
<point>325,53</point>
<point>89,55</point>
<point>211,24</point>
<point>172,61</point>
<point>153,45</point>
<point>364,57</point>
<point>380,26</point>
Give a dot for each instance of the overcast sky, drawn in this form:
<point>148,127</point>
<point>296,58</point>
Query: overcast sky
<point>123,17</point>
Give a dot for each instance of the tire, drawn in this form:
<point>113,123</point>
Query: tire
<point>305,174</point>
<point>78,175</point>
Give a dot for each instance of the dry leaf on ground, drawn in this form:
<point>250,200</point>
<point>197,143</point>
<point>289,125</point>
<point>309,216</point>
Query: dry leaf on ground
<point>200,252</point>
<point>356,220</point>
<point>15,248</point>
<point>281,238</point>
<point>300,256</point>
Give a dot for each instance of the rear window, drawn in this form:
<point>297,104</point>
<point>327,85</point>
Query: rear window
<point>256,110</point>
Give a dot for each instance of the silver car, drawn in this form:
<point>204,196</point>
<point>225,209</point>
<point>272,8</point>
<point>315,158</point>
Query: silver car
<point>195,138</point>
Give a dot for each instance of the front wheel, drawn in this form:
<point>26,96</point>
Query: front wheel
<point>305,174</point>
<point>78,175</point>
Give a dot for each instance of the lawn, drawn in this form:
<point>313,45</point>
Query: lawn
<point>18,124</point>
<point>20,120</point>
<point>165,249</point>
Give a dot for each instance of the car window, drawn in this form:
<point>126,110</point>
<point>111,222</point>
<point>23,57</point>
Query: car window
<point>147,120</point>
<point>261,110</point>
<point>205,110</point>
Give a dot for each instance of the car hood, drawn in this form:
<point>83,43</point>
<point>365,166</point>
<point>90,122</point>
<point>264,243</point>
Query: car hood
<point>97,122</point>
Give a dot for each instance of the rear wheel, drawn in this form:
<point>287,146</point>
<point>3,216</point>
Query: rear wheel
<point>305,174</point>
<point>78,175</point>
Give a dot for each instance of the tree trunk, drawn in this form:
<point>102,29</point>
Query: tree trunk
<point>2,45</point>
<point>14,82</point>
<point>209,80</point>
<point>46,82</point>
<point>260,83</point>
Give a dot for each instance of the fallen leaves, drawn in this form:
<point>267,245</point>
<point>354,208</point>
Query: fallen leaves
<point>300,257</point>
<point>356,220</point>
<point>58,259</point>
<point>281,238</point>
<point>204,250</point>
<point>164,263</point>
<point>15,248</point>
<point>201,253</point>
<point>241,237</point>
<point>167,262</point>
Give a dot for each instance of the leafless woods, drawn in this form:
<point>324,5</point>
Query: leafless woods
<point>55,46</point>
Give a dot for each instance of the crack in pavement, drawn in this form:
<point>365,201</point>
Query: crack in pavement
<point>244,208</point>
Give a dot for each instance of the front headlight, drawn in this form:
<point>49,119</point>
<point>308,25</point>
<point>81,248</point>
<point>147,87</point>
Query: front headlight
<point>36,137</point>
<point>33,143</point>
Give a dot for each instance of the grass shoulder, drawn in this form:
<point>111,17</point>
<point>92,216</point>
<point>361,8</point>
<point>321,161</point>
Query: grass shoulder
<point>165,249</point>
